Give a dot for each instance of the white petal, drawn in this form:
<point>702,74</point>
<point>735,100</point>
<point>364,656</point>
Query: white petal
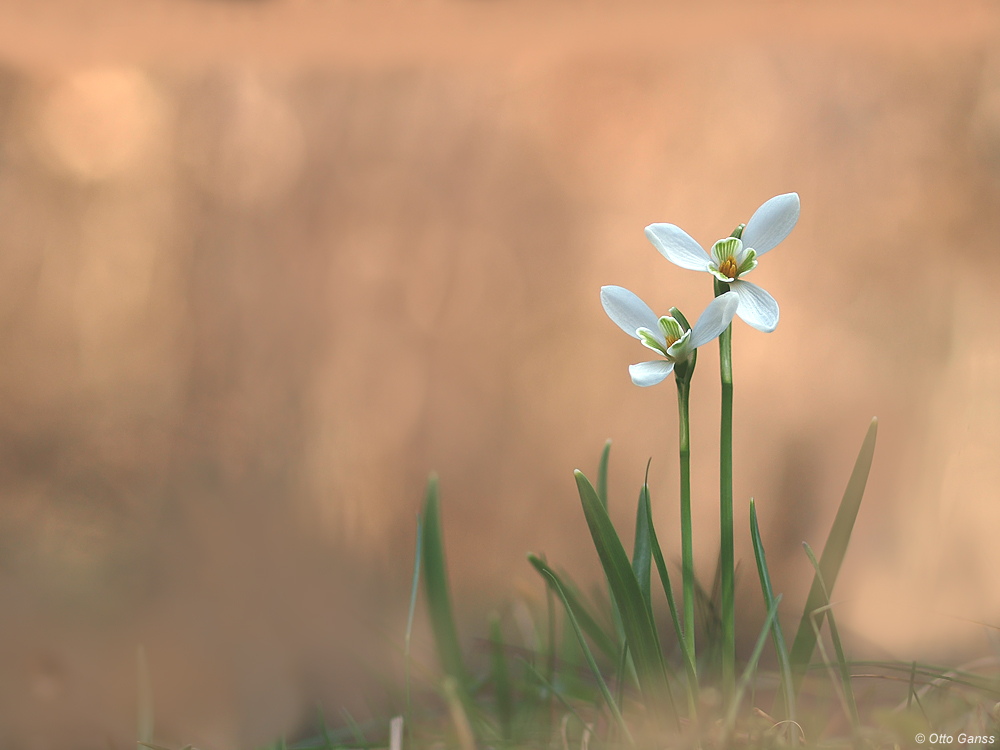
<point>678,246</point>
<point>716,318</point>
<point>653,340</point>
<point>771,223</point>
<point>757,308</point>
<point>650,373</point>
<point>628,311</point>
<point>681,348</point>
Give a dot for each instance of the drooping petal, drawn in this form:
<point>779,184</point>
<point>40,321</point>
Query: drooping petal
<point>771,223</point>
<point>677,246</point>
<point>650,373</point>
<point>715,319</point>
<point>757,308</point>
<point>628,311</point>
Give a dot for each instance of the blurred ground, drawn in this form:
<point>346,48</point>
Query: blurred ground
<point>265,264</point>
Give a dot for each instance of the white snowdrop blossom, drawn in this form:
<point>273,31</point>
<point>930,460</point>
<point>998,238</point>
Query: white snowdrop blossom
<point>665,335</point>
<point>731,259</point>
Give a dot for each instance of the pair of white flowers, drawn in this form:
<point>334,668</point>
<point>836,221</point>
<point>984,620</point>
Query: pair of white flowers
<point>729,261</point>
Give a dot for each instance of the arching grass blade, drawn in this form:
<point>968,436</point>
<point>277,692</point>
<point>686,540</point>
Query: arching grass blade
<point>601,684</point>
<point>636,622</point>
<point>602,475</point>
<point>597,634</point>
<point>778,635</point>
<point>641,552</point>
<point>437,589</point>
<point>845,671</point>
<point>832,557</point>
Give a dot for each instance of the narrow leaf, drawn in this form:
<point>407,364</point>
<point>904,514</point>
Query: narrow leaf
<point>551,688</point>
<point>501,679</point>
<point>414,588</point>
<point>356,730</point>
<point>602,475</point>
<point>640,632</point>
<point>845,671</point>
<point>601,639</point>
<point>769,600</point>
<point>602,493</point>
<point>612,706</point>
<point>145,698</point>
<point>620,677</point>
<point>641,552</point>
<point>437,589</point>
<point>832,557</point>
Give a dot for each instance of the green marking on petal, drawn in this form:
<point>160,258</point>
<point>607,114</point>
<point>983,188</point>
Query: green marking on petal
<point>650,340</point>
<point>671,328</point>
<point>749,261</point>
<point>681,348</point>
<point>725,249</point>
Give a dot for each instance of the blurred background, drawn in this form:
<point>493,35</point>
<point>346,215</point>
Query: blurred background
<point>264,264</point>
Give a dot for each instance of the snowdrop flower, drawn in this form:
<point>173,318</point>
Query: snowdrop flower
<point>665,336</point>
<point>734,257</point>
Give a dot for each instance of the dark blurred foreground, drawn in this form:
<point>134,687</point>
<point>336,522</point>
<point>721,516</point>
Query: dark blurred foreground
<point>263,266</point>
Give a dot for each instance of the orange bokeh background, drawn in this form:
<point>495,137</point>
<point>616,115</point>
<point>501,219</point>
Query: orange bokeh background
<point>263,265</point>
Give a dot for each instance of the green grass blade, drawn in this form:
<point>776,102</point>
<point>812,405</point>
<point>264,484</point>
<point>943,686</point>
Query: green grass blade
<point>620,677</point>
<point>612,706</point>
<point>845,671</point>
<point>324,731</point>
<point>145,699</point>
<point>751,668</point>
<point>661,568</point>
<point>550,604</point>
<point>937,674</point>
<point>604,642</point>
<point>602,493</point>
<point>414,588</point>
<point>909,692</point>
<point>551,688</point>
<point>602,475</point>
<point>641,553</point>
<point>769,599</point>
<point>501,680</point>
<point>436,587</point>
<point>636,621</point>
<point>833,556</point>
<point>356,730</point>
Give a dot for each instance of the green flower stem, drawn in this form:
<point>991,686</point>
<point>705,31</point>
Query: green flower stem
<point>726,510</point>
<point>687,550</point>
